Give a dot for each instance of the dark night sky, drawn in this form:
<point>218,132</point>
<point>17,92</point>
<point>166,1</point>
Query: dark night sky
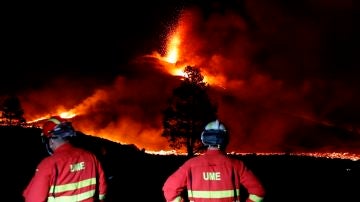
<point>86,39</point>
<point>282,60</point>
<point>40,42</point>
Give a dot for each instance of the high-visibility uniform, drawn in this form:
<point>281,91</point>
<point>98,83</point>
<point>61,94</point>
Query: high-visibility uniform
<point>213,176</point>
<point>70,174</point>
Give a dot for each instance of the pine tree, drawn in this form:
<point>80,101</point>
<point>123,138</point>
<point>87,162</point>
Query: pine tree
<point>189,110</point>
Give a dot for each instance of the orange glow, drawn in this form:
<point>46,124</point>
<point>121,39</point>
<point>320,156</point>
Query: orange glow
<point>176,48</point>
<point>67,115</point>
<point>261,110</point>
<point>173,49</point>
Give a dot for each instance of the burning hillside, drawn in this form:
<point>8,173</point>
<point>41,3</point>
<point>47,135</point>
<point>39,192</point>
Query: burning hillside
<point>277,86</point>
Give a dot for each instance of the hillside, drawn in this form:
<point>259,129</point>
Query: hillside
<point>139,176</point>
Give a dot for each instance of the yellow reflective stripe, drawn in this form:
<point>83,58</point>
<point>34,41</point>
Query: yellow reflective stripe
<point>177,199</point>
<point>54,120</point>
<point>72,186</point>
<point>213,194</point>
<point>255,198</point>
<point>78,197</point>
<point>101,196</point>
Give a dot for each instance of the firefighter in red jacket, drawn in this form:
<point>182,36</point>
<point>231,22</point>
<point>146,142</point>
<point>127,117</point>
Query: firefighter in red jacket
<point>213,176</point>
<point>69,174</point>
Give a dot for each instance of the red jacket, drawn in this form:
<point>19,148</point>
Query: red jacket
<point>213,176</point>
<point>70,174</point>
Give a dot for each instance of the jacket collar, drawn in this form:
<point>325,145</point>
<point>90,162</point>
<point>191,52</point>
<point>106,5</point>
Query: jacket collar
<point>63,147</point>
<point>214,151</point>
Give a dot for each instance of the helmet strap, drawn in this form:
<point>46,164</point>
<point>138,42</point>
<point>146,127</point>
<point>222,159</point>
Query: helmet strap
<point>46,142</point>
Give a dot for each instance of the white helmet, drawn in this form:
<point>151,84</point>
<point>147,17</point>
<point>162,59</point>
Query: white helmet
<point>215,134</point>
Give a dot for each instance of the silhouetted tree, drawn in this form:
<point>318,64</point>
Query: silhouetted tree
<point>12,112</point>
<point>189,110</point>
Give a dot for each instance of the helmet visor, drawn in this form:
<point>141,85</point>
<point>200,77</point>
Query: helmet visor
<point>214,137</point>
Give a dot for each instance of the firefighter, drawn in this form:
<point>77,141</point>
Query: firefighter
<point>213,176</point>
<point>69,173</point>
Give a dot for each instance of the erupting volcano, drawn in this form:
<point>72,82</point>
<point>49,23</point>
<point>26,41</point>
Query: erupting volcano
<point>277,86</point>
